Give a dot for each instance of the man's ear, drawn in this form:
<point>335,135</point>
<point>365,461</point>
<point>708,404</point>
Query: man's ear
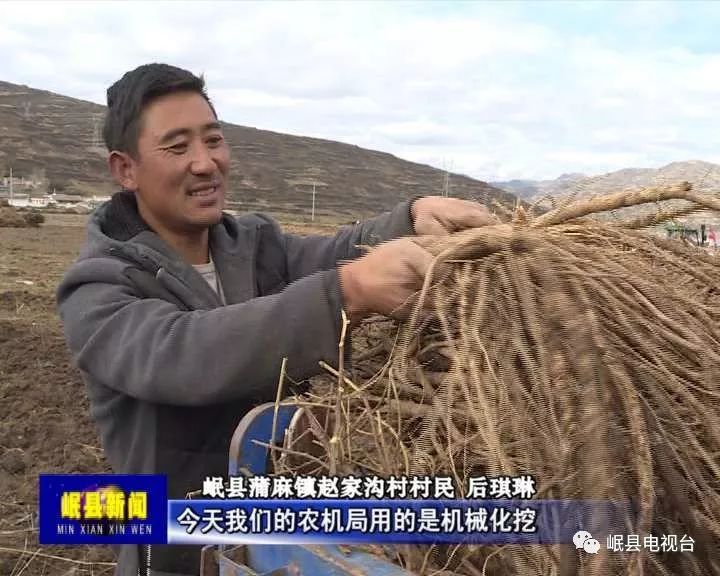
<point>122,168</point>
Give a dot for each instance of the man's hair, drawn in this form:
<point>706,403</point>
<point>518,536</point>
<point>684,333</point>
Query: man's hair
<point>128,97</point>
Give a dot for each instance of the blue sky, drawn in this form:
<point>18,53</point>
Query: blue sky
<point>495,90</point>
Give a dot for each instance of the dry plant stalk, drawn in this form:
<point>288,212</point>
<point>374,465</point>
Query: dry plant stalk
<point>584,353</point>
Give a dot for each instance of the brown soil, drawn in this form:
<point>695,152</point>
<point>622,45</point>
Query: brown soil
<point>45,425</point>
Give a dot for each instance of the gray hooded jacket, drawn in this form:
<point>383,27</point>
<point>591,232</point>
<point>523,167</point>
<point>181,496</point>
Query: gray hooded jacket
<point>168,369</point>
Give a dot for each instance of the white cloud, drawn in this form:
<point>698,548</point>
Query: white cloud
<point>481,85</point>
<point>644,14</point>
<point>419,131</point>
<point>246,99</point>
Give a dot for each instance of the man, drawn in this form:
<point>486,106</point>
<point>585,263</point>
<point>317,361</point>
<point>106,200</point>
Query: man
<point>178,316</point>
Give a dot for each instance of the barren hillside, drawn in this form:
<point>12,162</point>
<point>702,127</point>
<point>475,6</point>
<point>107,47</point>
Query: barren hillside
<point>59,138</point>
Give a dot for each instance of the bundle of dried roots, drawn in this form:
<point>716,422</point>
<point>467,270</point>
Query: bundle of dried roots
<point>584,353</point>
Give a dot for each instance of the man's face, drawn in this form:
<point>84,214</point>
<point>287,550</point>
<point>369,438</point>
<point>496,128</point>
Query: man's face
<point>183,160</point>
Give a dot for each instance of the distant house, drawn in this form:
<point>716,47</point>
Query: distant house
<point>64,199</point>
<point>39,201</point>
<point>27,201</point>
<point>19,200</point>
<point>21,183</point>
<point>97,200</point>
<point>22,200</point>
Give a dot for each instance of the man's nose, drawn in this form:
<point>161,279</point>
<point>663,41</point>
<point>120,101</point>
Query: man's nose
<point>202,161</point>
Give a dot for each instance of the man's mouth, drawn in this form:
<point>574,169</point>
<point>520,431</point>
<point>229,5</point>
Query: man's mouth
<point>204,191</point>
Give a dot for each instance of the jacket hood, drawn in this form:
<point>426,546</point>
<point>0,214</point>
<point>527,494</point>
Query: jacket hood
<point>116,228</point>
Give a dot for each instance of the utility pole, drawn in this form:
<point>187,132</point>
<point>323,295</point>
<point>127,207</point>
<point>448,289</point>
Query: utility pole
<point>11,185</point>
<point>312,216</point>
<point>446,184</point>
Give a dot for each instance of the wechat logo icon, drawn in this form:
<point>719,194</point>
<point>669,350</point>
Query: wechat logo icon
<point>583,539</point>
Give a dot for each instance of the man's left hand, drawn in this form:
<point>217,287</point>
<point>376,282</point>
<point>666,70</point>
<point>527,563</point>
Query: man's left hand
<point>439,216</point>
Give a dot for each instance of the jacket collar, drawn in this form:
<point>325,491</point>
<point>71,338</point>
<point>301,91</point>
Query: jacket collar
<point>118,226</point>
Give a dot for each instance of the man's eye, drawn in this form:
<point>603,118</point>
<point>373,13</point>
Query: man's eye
<point>214,140</point>
<point>177,148</point>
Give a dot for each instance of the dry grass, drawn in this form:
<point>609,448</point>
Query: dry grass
<point>582,352</point>
<point>12,218</point>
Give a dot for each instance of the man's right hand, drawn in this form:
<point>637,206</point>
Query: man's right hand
<point>383,280</point>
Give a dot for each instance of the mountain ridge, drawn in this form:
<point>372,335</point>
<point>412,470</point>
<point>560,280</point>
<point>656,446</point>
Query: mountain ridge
<point>705,176</point>
<point>57,139</point>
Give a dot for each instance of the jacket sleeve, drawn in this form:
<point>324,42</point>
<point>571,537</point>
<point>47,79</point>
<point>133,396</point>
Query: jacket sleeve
<point>150,349</point>
<point>306,255</point>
